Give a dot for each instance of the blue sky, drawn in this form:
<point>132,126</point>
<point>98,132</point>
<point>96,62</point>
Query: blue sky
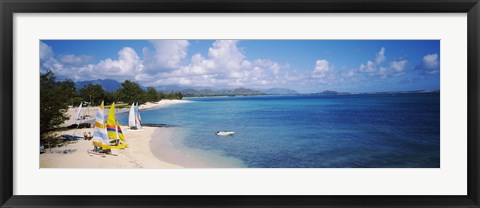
<point>302,65</point>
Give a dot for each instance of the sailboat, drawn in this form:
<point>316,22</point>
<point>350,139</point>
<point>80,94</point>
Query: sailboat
<point>87,112</point>
<point>80,124</point>
<point>225,133</point>
<point>79,118</point>
<point>134,119</point>
<point>100,137</point>
<point>79,111</point>
<point>114,130</point>
<point>139,119</point>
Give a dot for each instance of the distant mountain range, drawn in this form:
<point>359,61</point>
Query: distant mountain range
<point>281,91</point>
<point>112,85</point>
<point>224,92</point>
<point>330,92</point>
<point>192,92</point>
<point>170,88</point>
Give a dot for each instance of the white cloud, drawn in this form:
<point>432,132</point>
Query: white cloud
<point>398,66</point>
<point>69,71</point>
<point>294,76</point>
<point>77,67</point>
<point>51,64</point>
<point>380,56</point>
<point>351,73</point>
<point>369,68</point>
<point>127,64</point>
<point>225,66</point>
<point>226,55</point>
<point>267,64</point>
<point>383,72</point>
<point>322,68</point>
<point>430,62</point>
<point>168,55</point>
<point>66,66</point>
<point>46,51</point>
<point>75,60</point>
<point>198,66</point>
<point>379,69</point>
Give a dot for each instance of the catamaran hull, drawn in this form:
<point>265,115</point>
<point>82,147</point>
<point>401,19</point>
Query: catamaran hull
<point>120,146</point>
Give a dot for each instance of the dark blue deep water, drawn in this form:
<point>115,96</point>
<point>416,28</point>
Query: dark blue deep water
<point>324,131</point>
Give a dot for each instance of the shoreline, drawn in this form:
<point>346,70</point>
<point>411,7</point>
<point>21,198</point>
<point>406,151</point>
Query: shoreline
<point>173,150</point>
<point>150,147</point>
<point>138,154</point>
<point>167,150</point>
<point>72,111</point>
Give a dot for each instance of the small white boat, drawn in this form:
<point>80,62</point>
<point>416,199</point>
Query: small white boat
<point>225,133</point>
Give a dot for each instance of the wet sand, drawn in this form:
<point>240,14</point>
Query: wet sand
<point>137,155</point>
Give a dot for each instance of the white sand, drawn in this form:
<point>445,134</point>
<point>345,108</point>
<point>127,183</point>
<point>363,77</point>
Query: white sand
<point>72,112</point>
<point>137,155</point>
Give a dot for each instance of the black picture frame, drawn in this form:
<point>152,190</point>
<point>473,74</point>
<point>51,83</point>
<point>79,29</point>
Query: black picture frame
<point>10,7</point>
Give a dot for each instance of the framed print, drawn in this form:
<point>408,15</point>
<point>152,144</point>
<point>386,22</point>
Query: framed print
<point>266,103</point>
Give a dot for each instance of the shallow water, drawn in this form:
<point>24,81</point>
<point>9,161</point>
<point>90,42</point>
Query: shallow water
<point>324,131</point>
<point>174,151</point>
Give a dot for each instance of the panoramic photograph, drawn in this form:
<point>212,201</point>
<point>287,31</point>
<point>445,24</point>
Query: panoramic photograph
<point>239,104</point>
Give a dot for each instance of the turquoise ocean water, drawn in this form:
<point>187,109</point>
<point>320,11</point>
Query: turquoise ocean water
<point>322,131</point>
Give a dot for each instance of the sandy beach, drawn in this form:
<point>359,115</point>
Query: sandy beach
<point>137,155</point>
<point>72,112</point>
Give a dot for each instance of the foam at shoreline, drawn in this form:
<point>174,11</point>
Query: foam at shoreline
<point>167,144</point>
<point>150,147</point>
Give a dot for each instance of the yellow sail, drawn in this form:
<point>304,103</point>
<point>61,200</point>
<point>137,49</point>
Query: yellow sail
<point>119,131</point>
<point>119,136</point>
<point>111,125</point>
<point>114,130</point>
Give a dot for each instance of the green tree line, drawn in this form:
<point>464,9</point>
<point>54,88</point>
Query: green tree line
<point>130,92</point>
<point>56,96</point>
